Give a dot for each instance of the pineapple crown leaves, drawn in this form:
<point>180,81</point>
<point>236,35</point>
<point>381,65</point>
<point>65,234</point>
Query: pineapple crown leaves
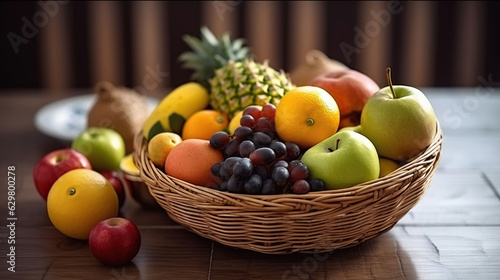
<point>210,53</point>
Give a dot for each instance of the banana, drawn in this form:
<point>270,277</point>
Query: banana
<point>175,108</point>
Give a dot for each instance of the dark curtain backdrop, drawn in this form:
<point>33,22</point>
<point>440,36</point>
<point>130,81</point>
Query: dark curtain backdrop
<point>26,69</point>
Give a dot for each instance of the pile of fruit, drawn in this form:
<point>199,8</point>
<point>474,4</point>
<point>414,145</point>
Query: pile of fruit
<point>243,127</point>
<point>84,192</point>
<point>257,161</point>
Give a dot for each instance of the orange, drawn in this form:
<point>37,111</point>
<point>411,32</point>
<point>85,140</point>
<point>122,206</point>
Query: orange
<point>192,161</point>
<point>306,115</point>
<point>78,200</point>
<point>203,124</point>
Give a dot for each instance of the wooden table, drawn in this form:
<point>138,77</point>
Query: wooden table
<point>453,233</point>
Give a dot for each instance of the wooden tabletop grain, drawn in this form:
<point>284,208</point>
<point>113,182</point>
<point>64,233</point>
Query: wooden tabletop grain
<point>452,233</point>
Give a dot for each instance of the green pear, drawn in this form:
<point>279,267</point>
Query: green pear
<point>399,121</point>
<point>356,128</point>
<point>343,160</point>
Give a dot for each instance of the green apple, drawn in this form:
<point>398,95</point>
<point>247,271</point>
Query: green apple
<point>399,120</point>
<point>103,147</point>
<point>343,160</point>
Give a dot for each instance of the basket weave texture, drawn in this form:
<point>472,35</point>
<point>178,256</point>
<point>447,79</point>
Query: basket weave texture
<point>286,223</point>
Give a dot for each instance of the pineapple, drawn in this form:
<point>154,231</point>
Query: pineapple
<point>210,54</point>
<point>241,84</point>
<point>234,79</point>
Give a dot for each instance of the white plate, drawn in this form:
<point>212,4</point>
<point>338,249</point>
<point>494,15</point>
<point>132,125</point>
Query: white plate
<point>66,118</point>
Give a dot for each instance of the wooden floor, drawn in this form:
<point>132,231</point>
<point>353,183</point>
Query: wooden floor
<point>453,233</point>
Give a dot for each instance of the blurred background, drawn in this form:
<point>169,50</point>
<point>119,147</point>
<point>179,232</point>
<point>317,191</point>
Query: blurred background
<point>58,45</point>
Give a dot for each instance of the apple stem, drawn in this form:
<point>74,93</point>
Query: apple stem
<point>60,158</point>
<point>113,223</point>
<point>336,147</point>
<point>389,80</point>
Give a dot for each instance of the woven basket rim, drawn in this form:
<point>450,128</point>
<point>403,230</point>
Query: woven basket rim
<point>369,186</point>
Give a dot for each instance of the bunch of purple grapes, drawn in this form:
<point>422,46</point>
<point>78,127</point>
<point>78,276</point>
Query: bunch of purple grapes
<point>256,161</point>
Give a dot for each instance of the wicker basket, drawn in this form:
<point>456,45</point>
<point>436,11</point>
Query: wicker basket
<point>286,223</point>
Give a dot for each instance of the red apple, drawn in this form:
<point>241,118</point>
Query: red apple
<point>114,178</point>
<point>49,168</point>
<point>115,241</point>
<point>351,90</point>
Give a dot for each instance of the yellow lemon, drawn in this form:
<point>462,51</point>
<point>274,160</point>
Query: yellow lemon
<point>387,166</point>
<point>160,146</point>
<point>306,115</point>
<point>235,122</point>
<point>78,200</point>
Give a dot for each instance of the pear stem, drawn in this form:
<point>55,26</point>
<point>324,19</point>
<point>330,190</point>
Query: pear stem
<point>389,80</point>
